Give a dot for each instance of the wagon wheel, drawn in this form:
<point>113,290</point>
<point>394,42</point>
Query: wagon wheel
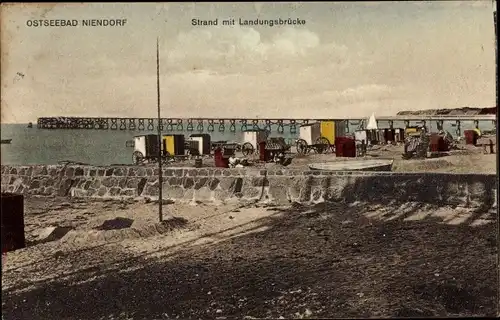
<point>301,146</point>
<point>247,149</point>
<point>137,157</point>
<point>323,145</point>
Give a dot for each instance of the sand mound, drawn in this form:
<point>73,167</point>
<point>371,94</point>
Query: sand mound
<point>120,229</point>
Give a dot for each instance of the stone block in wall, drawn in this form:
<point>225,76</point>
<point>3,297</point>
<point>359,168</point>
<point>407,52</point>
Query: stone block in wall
<point>241,172</point>
<point>102,191</point>
<point>87,183</point>
<point>69,172</point>
<point>18,184</point>
<point>128,192</point>
<point>114,191</point>
<point>95,183</point>
<point>192,173</point>
<point>369,188</point>
<point>222,195</point>
<point>429,188</point>
<point>212,183</point>
<point>151,190</point>
<point>48,191</point>
<point>92,192</point>
<point>137,184</point>
<point>35,184</point>
<point>65,186</point>
<point>79,193</point>
<point>86,171</point>
<point>317,194</point>
<point>410,188</point>
<point>258,181</point>
<point>306,189</point>
<point>252,193</point>
<point>140,172</point>
<point>278,189</point>
<point>79,171</point>
<point>19,189</point>
<point>230,184</point>
<point>153,179</point>
<point>131,172</point>
<point>109,182</point>
<point>279,195</point>
<point>188,195</point>
<point>119,172</point>
<point>108,172</point>
<point>334,186</point>
<point>200,182</point>
<point>188,183</point>
<point>455,193</point>
<point>295,187</point>
<point>178,173</point>
<point>25,171</point>
<point>175,181</point>
<point>54,171</point>
<point>203,172</point>
<point>481,193</point>
<point>203,194</point>
<point>173,192</point>
<point>237,185</point>
<point>122,182</point>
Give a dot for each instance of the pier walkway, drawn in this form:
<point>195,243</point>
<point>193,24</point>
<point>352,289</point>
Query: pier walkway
<point>232,124</point>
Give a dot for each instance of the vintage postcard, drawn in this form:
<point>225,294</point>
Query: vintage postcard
<point>249,160</point>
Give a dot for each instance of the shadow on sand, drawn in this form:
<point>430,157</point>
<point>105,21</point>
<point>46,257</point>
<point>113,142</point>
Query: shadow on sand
<point>326,260</point>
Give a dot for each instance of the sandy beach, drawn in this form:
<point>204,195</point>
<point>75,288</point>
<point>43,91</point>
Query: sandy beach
<point>327,260</point>
<point>464,159</point>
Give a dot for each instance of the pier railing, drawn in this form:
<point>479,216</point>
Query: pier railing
<point>234,124</point>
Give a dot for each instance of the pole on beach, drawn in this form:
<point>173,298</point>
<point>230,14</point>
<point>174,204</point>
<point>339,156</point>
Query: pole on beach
<point>160,173</point>
<point>498,140</point>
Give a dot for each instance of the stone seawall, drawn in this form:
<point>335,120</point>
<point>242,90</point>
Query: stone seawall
<point>271,185</point>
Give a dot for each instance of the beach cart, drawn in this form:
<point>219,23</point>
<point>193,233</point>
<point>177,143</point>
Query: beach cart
<point>251,140</point>
<point>318,136</point>
<point>146,148</point>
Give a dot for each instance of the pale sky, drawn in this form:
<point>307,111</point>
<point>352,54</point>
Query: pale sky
<point>349,59</point>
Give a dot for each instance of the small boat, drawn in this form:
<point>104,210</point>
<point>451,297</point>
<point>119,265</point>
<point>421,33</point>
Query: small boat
<point>354,165</point>
<point>30,125</point>
<point>6,141</point>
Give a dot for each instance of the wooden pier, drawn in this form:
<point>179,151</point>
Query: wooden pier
<point>233,124</point>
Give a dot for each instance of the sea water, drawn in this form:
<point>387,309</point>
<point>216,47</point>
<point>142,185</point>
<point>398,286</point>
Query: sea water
<point>105,147</point>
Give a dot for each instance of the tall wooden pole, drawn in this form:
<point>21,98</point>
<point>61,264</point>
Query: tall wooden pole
<point>496,57</point>
<point>160,173</point>
<point>498,139</point>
